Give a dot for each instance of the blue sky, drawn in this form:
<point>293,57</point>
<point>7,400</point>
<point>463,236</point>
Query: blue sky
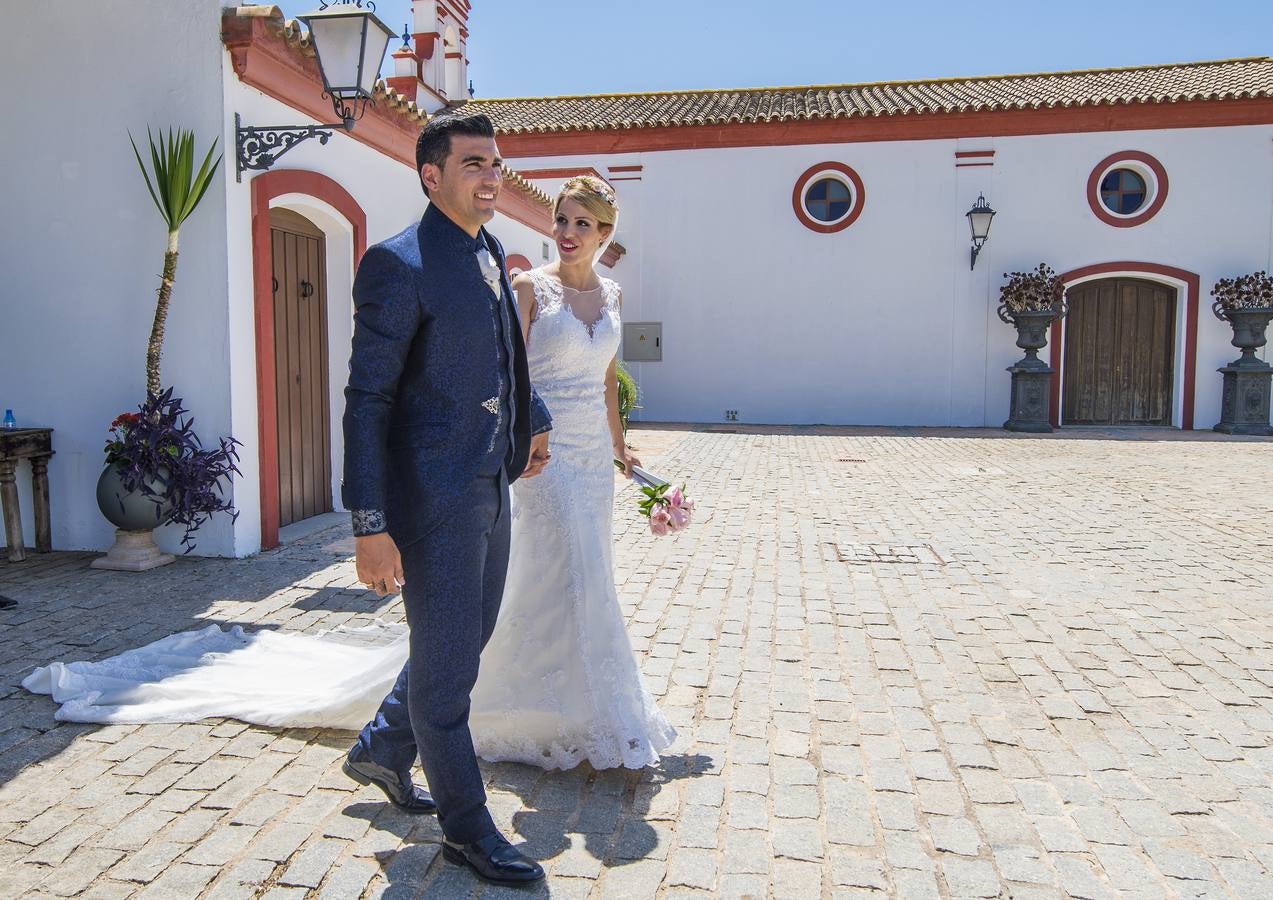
<point>549,47</point>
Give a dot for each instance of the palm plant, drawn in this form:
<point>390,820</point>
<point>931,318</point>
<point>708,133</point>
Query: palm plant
<point>627,394</point>
<point>176,189</point>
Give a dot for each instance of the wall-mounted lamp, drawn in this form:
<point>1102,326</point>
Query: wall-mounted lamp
<point>979,221</point>
<point>350,43</point>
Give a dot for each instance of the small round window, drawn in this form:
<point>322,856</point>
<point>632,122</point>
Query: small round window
<point>828,200</point>
<point>828,197</point>
<point>1123,191</point>
<point>1127,188</point>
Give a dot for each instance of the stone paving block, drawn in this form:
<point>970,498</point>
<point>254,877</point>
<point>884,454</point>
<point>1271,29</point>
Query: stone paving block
<point>348,879</point>
<point>79,871</point>
<point>280,842</point>
<point>221,845</point>
<point>311,865</point>
<point>954,835</point>
<point>179,880</point>
<point>145,865</point>
<point>692,869</point>
<point>969,877</point>
<point>1022,863</point>
<point>912,885</point>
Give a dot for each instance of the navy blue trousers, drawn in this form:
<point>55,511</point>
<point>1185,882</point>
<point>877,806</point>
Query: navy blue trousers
<point>454,584</point>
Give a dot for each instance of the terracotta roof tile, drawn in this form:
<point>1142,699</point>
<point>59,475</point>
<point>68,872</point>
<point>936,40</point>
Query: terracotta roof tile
<point>1219,80</point>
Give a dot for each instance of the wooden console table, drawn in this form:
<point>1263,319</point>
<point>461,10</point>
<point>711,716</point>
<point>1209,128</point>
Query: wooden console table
<point>35,444</point>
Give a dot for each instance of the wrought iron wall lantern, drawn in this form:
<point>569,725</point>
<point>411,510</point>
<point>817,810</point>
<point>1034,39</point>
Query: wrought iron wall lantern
<point>350,43</point>
<point>979,221</point>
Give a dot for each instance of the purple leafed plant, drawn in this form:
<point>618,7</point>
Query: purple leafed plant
<point>1254,291</point>
<point>158,444</point>
<point>1038,290</point>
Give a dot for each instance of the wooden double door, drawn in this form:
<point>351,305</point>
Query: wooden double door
<point>300,366</point>
<point>1119,353</point>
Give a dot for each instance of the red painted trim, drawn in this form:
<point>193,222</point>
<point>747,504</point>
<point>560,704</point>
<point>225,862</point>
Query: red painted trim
<point>802,183</point>
<point>913,127</point>
<point>972,165</point>
<point>1109,162</point>
<point>519,206</point>
<point>424,42</point>
<point>265,187</point>
<point>636,178</point>
<point>406,85</point>
<point>568,172</point>
<point>517,261</point>
<point>459,11</point>
<point>1192,306</point>
<point>624,168</point>
<point>612,254</point>
<point>263,60</point>
<point>455,55</point>
<point>969,154</point>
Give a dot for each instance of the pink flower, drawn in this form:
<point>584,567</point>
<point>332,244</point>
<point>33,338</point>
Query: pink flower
<point>660,521</point>
<point>680,517</point>
<point>676,498</point>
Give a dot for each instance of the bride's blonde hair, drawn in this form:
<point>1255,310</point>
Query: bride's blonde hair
<point>592,194</point>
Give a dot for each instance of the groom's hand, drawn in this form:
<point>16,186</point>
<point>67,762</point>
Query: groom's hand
<point>379,563</point>
<point>539,455</point>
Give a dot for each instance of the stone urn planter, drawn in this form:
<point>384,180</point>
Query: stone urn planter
<point>1244,404</point>
<point>1031,376</point>
<point>1030,302</point>
<point>135,517</point>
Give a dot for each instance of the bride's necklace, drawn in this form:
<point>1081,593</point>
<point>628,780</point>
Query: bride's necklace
<point>571,287</point>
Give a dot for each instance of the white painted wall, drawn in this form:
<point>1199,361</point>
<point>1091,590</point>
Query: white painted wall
<point>883,323</point>
<point>81,245</point>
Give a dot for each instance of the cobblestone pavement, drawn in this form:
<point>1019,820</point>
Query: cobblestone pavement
<point>903,663</point>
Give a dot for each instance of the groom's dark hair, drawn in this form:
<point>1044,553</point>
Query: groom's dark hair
<point>434,144</point>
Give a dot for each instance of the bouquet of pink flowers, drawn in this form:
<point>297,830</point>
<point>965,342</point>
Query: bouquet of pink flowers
<point>669,509</point>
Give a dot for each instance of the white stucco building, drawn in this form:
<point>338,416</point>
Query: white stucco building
<point>82,245</point>
<point>1140,186</point>
<point>800,255</point>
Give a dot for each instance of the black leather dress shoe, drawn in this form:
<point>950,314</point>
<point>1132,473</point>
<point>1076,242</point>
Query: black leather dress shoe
<point>495,860</point>
<point>398,787</point>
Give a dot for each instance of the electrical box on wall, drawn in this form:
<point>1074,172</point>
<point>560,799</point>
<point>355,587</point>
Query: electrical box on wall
<point>643,342</point>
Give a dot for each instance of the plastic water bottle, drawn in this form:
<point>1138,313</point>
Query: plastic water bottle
<point>9,420</point>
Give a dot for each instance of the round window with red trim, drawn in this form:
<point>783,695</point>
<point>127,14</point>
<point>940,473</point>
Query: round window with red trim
<point>1127,188</point>
<point>828,197</point>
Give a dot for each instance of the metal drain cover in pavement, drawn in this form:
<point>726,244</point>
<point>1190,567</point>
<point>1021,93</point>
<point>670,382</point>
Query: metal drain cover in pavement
<point>897,554</point>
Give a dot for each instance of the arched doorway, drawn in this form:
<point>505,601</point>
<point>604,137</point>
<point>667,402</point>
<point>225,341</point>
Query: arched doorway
<point>1119,356</point>
<point>299,264</point>
<point>326,203</point>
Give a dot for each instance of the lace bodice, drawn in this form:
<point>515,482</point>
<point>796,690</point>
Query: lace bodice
<point>567,356</point>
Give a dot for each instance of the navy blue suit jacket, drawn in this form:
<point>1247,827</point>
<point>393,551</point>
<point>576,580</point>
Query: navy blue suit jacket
<point>421,367</point>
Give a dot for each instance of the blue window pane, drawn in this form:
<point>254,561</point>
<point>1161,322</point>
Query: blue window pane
<point>1123,191</point>
<point>837,210</point>
<point>828,199</point>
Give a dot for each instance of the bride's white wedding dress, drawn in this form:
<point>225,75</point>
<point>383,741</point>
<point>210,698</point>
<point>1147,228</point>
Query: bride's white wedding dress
<point>558,683</point>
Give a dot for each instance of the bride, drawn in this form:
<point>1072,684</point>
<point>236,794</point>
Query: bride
<point>558,683</point>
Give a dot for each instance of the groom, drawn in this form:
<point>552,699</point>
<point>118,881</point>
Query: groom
<point>439,418</point>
